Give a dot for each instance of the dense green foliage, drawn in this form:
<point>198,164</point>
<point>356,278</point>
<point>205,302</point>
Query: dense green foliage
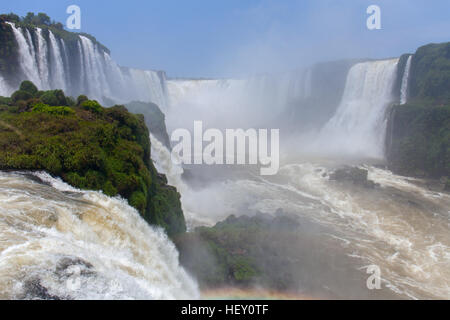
<point>89,147</point>
<point>240,251</point>
<point>430,74</point>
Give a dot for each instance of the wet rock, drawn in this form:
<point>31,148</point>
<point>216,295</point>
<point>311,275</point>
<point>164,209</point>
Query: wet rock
<point>65,264</point>
<point>34,290</point>
<point>355,175</point>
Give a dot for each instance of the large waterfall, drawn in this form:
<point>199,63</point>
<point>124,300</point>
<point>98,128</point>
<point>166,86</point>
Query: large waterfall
<point>86,68</point>
<point>359,124</point>
<point>61,243</point>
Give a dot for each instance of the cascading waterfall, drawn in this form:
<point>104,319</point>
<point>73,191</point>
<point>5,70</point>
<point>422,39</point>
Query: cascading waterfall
<point>48,64</point>
<point>59,76</point>
<point>60,242</point>
<point>404,89</point>
<point>27,61</point>
<point>82,78</point>
<point>43,60</point>
<point>359,124</point>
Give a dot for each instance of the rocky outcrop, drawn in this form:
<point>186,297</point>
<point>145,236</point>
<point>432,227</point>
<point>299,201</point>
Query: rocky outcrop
<point>354,175</point>
<point>154,119</point>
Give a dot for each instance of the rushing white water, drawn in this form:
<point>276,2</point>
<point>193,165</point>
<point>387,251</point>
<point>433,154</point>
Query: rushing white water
<point>400,226</point>
<point>359,124</point>
<point>59,242</point>
<point>405,79</point>
<point>43,60</point>
<point>48,65</point>
<point>59,74</point>
<point>26,56</point>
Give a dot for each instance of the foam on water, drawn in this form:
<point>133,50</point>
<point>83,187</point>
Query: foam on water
<point>59,242</point>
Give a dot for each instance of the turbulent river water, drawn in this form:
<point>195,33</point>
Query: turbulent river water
<point>57,242</point>
<point>401,226</point>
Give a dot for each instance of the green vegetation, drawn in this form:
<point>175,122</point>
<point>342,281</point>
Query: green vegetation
<point>240,252</point>
<point>419,143</point>
<point>430,74</point>
<point>418,139</point>
<point>89,147</point>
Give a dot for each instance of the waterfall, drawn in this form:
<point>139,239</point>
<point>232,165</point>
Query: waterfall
<point>404,89</point>
<point>43,60</point>
<point>359,124</point>
<point>82,80</point>
<point>26,58</point>
<point>66,64</point>
<point>60,242</point>
<point>48,64</point>
<point>58,72</point>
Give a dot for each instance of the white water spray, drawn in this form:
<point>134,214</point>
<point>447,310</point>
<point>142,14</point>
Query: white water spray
<point>404,89</point>
<point>27,61</point>
<point>59,75</point>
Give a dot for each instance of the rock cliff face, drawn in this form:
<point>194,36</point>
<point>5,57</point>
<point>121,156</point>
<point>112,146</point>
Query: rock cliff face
<point>418,135</point>
<point>154,119</point>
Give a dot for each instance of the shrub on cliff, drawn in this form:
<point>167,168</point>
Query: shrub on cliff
<point>29,87</point>
<point>44,108</point>
<point>20,95</point>
<point>92,105</point>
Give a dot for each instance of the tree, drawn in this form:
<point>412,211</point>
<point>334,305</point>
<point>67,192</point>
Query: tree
<point>42,18</point>
<point>29,87</point>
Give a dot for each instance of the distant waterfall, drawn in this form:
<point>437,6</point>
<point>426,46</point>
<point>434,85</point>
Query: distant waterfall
<point>359,124</point>
<point>85,68</point>
<point>241,103</point>
<point>404,89</point>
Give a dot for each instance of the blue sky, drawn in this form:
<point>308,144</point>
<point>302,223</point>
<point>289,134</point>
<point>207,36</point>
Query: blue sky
<point>220,38</point>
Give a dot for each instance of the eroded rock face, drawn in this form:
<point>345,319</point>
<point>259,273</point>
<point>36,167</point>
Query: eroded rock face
<point>354,175</point>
